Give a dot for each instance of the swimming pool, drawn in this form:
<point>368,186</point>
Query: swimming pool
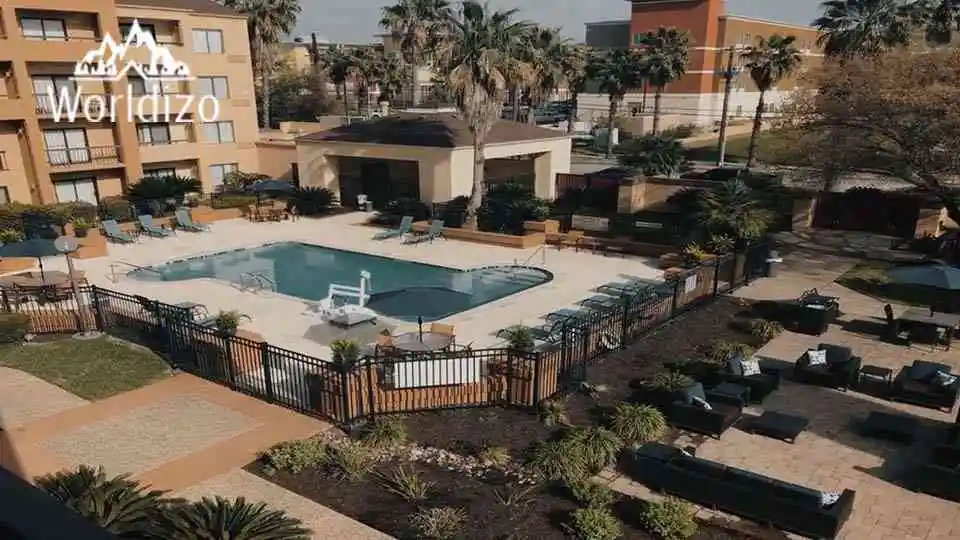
<point>400,289</point>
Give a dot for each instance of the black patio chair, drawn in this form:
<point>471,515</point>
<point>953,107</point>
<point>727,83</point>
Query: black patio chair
<point>894,333</point>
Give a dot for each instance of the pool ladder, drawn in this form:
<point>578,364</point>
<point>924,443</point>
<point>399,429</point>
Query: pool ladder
<point>255,281</point>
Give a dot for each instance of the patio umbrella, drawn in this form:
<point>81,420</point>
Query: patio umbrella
<point>270,186</point>
<point>938,276</point>
<point>33,248</point>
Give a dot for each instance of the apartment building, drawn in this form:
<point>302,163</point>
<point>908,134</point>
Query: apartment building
<point>697,97</point>
<point>45,160</point>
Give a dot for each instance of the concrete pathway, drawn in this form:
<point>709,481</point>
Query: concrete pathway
<point>182,434</point>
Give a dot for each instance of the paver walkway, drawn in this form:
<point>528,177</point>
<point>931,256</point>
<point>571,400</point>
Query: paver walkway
<point>830,455</point>
<point>182,434</point>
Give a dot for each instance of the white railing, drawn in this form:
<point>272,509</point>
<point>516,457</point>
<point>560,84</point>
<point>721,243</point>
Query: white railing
<point>256,282</point>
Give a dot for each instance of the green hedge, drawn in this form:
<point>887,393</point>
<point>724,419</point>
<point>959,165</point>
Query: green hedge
<point>13,327</point>
<point>38,219</point>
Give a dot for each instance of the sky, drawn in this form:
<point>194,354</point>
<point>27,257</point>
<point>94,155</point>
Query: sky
<point>355,21</point>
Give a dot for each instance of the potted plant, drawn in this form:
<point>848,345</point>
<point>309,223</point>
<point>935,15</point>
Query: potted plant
<point>81,226</point>
<point>519,338</point>
<point>346,353</point>
<point>227,322</point>
<point>10,236</point>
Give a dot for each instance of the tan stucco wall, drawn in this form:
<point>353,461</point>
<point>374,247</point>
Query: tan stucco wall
<point>276,158</point>
<point>13,177</point>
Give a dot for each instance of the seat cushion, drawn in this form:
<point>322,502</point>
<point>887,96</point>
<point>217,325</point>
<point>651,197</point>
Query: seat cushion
<point>908,384</point>
<point>699,466</point>
<point>764,486</point>
<point>734,365</point>
<point>836,353</point>
<point>925,371</point>
<point>693,391</point>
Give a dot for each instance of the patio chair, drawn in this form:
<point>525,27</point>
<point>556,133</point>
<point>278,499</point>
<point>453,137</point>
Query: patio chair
<point>894,333</point>
<point>568,314</point>
<point>601,302</point>
<point>435,231</point>
<point>147,226</point>
<point>571,239</point>
<point>442,328</point>
<point>633,287</point>
<point>185,221</point>
<point>111,229</point>
<point>406,225</point>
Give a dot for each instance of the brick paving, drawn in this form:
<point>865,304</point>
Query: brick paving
<point>830,455</point>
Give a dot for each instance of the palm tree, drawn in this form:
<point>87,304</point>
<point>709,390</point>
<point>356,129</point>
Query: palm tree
<point>857,27</point>
<point>666,51</point>
<point>223,519</point>
<point>417,25</point>
<point>768,62</point>
<point>733,209</point>
<point>548,57</point>
<point>267,22</point>
<point>575,74</point>
<point>617,72</point>
<point>653,155</point>
<point>941,18</point>
<point>480,57</point>
<point>365,70</point>
<point>119,505</point>
<point>338,65</point>
<point>392,75</point>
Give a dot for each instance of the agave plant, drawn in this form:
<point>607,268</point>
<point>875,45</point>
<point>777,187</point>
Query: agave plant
<point>223,519</point>
<point>120,505</point>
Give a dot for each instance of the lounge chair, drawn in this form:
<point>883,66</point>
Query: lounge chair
<point>569,313</point>
<point>406,225</point>
<point>111,229</point>
<point>185,221</point>
<point>435,231</point>
<point>602,302</point>
<point>147,226</point>
<point>627,288</point>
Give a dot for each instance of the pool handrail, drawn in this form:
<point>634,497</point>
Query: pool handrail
<point>261,280</point>
<point>116,279</point>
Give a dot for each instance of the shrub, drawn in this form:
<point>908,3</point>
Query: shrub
<point>693,254</point>
<point>638,424</point>
<point>239,180</point>
<point>721,243</point>
<point>653,155</point>
<point>441,523</point>
<point>598,446</point>
<point>506,206</point>
<point>10,236</point>
<point>553,412</point>
<point>295,456</point>
<point>519,337</point>
<point>671,381</point>
<point>346,352</point>
<point>495,456</point>
<point>515,495</point>
<point>117,208</point>
<point>594,524</point>
<point>385,432</point>
<point>559,460</point>
<point>14,327</point>
<point>670,519</point>
<point>165,187</point>
<point>349,460</point>
<point>393,211</point>
<point>765,330</point>
<point>221,518</point>
<point>311,201</point>
<point>591,494</point>
<point>233,201</point>
<point>720,350</point>
<point>227,322</point>
<point>680,131</point>
<point>407,483</point>
<point>455,211</point>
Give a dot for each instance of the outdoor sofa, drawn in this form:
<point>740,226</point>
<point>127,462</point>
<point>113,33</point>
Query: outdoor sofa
<point>786,506</point>
<point>940,477</point>
<point>684,413</point>
<point>761,385</point>
<point>841,370</point>
<point>916,384</point>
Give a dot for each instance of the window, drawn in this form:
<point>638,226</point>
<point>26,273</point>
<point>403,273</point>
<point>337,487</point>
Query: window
<point>163,172</point>
<point>4,195</point>
<point>218,132</point>
<point>219,172</point>
<point>77,190</point>
<point>148,28</point>
<point>43,29</point>
<point>153,134</point>
<point>65,146</point>
<point>636,109</point>
<point>208,41</point>
<point>44,85</point>
<point>142,87</point>
<point>214,86</point>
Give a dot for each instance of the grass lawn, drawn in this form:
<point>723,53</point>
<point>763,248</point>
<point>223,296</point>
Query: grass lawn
<point>774,147</point>
<point>870,278</point>
<point>92,369</point>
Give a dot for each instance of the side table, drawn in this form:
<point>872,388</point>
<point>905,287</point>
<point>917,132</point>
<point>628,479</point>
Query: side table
<point>731,393</point>
<point>877,378</point>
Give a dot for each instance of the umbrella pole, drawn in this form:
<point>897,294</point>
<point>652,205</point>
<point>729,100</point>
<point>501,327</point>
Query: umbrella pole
<point>43,278</point>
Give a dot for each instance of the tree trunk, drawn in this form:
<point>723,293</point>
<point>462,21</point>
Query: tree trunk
<point>479,181</point>
<point>515,104</point>
<point>266,98</point>
<point>532,115</point>
<point>757,122</point>
<point>573,111</point>
<point>612,118</point>
<point>657,94</point>
<point>417,91</point>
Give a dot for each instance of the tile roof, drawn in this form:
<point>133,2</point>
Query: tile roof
<point>439,130</point>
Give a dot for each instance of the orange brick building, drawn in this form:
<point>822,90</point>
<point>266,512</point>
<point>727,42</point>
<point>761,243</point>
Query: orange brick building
<point>697,97</point>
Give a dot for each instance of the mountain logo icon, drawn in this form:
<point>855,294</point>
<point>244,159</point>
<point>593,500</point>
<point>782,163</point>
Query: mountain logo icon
<point>106,63</point>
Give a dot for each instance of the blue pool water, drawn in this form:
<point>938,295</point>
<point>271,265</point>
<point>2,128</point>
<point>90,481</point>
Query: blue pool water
<point>400,289</point>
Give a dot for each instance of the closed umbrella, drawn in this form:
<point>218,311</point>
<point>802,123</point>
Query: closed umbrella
<point>33,248</point>
<point>937,276</point>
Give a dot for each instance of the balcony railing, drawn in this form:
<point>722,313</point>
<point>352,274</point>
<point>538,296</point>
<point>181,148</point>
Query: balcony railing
<point>66,157</point>
<point>87,105</point>
<point>164,142</point>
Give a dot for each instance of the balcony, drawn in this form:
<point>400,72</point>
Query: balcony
<point>89,107</point>
<point>91,157</point>
<point>172,142</point>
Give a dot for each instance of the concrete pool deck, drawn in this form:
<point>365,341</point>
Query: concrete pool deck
<point>284,320</point>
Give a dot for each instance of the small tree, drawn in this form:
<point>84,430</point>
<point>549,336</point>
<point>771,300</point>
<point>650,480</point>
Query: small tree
<point>653,155</point>
<point>768,62</point>
<point>616,72</point>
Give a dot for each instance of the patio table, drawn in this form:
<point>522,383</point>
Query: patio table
<point>422,342</point>
<point>947,321</point>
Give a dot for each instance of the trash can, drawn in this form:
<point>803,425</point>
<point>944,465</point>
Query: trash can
<point>773,259</point>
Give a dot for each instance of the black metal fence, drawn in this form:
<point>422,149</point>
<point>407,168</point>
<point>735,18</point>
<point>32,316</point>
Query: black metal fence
<point>349,392</point>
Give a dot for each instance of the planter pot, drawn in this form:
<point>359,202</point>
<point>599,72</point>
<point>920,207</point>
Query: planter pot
<point>81,233</point>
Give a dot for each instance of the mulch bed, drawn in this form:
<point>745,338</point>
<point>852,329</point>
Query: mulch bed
<point>466,431</point>
<point>369,502</point>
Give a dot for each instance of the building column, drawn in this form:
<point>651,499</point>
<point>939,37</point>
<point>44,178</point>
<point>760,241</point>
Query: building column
<point>434,187</point>
<point>35,156</point>
<point>545,182</point>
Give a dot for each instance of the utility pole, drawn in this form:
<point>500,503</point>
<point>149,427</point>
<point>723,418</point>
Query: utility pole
<point>314,54</point>
<point>728,75</point>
